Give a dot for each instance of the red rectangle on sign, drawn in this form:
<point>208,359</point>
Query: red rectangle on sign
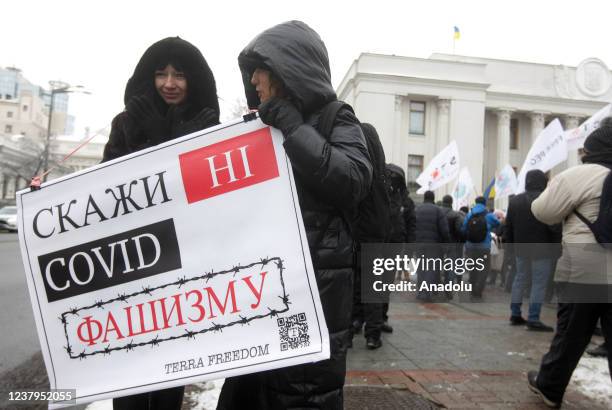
<point>229,165</point>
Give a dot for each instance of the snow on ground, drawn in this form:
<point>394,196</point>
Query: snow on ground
<point>207,396</point>
<point>592,378</point>
<point>100,405</point>
<point>201,396</point>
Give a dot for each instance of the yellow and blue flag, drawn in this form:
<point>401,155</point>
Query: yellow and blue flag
<point>490,190</point>
<point>457,35</point>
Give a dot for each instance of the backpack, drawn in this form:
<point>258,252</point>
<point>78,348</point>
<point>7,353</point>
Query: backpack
<point>477,228</point>
<point>373,220</point>
<point>602,226</point>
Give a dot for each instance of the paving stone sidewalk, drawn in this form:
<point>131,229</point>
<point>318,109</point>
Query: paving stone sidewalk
<point>457,355</point>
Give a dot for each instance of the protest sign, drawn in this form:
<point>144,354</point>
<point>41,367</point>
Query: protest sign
<point>184,262</point>
<point>505,183</point>
<point>548,150</point>
<point>442,169</point>
<point>464,189</point>
<point>575,137</point>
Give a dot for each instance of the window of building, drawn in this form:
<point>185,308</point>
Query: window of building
<point>9,114</point>
<point>8,128</point>
<point>415,167</point>
<point>514,133</point>
<point>24,107</point>
<point>417,117</point>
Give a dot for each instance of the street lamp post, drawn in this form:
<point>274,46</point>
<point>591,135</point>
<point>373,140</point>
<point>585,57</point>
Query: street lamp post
<point>57,87</point>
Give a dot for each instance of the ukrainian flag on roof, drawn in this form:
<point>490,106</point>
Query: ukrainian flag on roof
<point>457,33</point>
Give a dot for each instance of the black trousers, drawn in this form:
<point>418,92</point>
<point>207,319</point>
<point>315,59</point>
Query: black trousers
<point>478,279</point>
<point>371,314</point>
<point>170,399</point>
<point>575,325</point>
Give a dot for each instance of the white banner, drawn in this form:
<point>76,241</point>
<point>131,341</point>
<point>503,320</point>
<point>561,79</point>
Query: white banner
<point>442,169</point>
<point>548,150</point>
<point>181,263</point>
<point>575,137</point>
<point>464,189</point>
<point>505,182</point>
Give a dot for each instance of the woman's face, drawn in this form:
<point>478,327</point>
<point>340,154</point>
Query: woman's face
<point>263,85</point>
<point>171,85</point>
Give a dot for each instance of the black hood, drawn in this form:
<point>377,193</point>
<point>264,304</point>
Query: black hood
<point>184,56</point>
<point>396,171</point>
<point>297,56</point>
<point>535,180</point>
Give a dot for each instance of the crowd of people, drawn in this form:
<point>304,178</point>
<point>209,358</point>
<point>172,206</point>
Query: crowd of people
<point>286,77</point>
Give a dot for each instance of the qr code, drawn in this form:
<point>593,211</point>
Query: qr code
<point>293,331</point>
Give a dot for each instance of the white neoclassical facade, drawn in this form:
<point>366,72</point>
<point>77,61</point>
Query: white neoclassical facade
<point>493,108</point>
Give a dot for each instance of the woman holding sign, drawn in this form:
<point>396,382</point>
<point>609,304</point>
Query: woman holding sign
<point>171,93</point>
<point>287,77</point>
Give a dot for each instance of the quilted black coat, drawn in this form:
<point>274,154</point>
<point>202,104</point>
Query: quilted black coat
<point>332,175</point>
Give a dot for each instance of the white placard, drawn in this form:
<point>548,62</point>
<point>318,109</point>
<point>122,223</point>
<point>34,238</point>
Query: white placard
<point>464,189</point>
<point>442,169</point>
<point>181,263</point>
<point>548,150</point>
<point>505,182</point>
<point>575,137</point>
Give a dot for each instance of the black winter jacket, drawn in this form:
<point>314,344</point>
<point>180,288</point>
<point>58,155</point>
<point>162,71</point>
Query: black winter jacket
<point>332,175</point>
<point>128,135</point>
<point>402,207</point>
<point>410,219</point>
<point>455,222</point>
<point>523,227</point>
<point>431,224</point>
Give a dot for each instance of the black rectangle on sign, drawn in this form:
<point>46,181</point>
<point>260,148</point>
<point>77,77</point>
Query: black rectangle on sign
<point>114,260</point>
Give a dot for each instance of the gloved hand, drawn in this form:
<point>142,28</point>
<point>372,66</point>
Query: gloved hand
<point>204,119</point>
<point>282,114</point>
<point>147,117</point>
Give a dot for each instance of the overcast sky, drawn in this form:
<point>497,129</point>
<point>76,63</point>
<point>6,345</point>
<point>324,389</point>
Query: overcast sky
<point>98,43</point>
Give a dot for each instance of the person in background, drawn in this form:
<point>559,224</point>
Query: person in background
<point>535,247</point>
<point>476,228</point>
<point>431,229</point>
<point>373,314</point>
<point>286,76</point>
<point>454,248</point>
<point>583,275</point>
<point>171,93</point>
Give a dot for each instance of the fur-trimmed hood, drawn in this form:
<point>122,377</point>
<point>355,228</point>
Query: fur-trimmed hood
<point>184,56</point>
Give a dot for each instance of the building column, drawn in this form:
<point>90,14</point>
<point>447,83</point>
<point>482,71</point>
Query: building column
<point>443,137</point>
<point>2,182</point>
<point>537,124</point>
<point>396,154</point>
<point>10,186</point>
<point>571,122</point>
<point>503,148</point>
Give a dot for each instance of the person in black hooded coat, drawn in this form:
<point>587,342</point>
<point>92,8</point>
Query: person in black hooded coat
<point>286,75</point>
<point>152,114</point>
<point>171,93</point>
<point>536,247</point>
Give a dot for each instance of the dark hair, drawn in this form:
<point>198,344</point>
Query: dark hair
<point>429,196</point>
<point>481,200</point>
<point>447,199</point>
<point>464,209</point>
